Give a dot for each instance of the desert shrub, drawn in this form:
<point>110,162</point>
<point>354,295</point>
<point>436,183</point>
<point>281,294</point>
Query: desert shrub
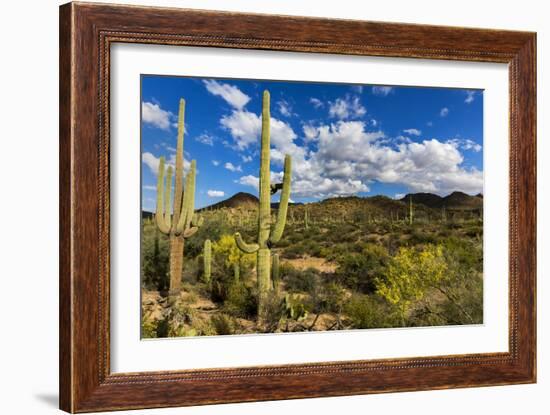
<point>226,248</point>
<point>300,281</point>
<point>213,228</point>
<point>148,328</point>
<point>359,271</point>
<point>223,324</point>
<point>410,275</point>
<point>155,251</point>
<point>240,301</point>
<point>421,237</point>
<point>334,297</point>
<point>367,312</point>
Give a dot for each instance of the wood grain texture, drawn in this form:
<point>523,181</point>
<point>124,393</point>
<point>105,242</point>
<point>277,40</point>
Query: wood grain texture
<point>86,33</point>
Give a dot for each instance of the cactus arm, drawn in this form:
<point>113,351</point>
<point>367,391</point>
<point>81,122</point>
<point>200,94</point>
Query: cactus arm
<point>178,189</point>
<point>243,246</point>
<point>189,232</point>
<point>167,194</point>
<point>188,205</point>
<point>159,214</point>
<point>279,227</point>
<point>197,221</point>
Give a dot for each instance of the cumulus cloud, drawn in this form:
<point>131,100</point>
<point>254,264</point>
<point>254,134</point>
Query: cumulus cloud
<point>215,193</point>
<point>347,151</point>
<point>470,96</point>
<point>246,159</point>
<point>317,103</point>
<point>154,115</point>
<point>412,131</point>
<point>231,167</point>
<point>347,107</point>
<point>344,157</point>
<point>215,162</point>
<point>249,180</point>
<point>444,112</point>
<point>231,94</point>
<point>284,108</point>
<point>382,91</point>
<point>205,139</point>
<point>465,144</point>
<point>243,126</point>
<point>151,161</point>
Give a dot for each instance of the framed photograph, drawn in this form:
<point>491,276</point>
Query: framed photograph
<point>259,207</point>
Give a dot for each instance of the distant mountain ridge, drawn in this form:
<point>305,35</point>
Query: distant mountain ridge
<point>455,200</point>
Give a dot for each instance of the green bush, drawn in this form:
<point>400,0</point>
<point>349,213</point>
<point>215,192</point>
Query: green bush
<point>359,271</point>
<point>299,281</point>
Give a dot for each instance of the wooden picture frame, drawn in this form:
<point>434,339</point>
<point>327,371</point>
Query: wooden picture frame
<point>86,33</point>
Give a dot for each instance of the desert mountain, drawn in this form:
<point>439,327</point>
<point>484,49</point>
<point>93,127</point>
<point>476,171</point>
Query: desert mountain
<point>455,200</point>
<point>240,200</point>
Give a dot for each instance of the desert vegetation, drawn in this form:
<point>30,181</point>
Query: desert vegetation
<point>252,266</point>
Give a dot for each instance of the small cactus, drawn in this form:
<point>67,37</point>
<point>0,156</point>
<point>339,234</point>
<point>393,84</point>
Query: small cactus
<point>207,261</point>
<point>410,209</point>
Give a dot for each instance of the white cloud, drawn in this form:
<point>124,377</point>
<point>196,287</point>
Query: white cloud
<point>317,103</point>
<point>347,152</point>
<point>310,132</point>
<point>231,167</point>
<point>344,157</point>
<point>231,94</point>
<point>444,112</point>
<point>215,162</point>
<point>470,96</point>
<point>465,144</point>
<point>412,131</point>
<point>215,193</point>
<point>430,124</point>
<point>205,139</point>
<point>399,196</point>
<point>249,181</point>
<point>149,187</point>
<point>153,162</point>
<point>382,91</point>
<point>348,107</point>
<point>243,126</point>
<point>285,108</point>
<point>154,115</point>
<point>246,159</point>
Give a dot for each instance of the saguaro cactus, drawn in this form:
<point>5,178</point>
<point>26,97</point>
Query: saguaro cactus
<point>275,270</point>
<point>267,236</point>
<point>182,222</point>
<point>207,261</point>
<point>306,218</point>
<point>410,210</point>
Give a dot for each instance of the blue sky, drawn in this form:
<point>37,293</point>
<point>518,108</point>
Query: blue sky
<point>344,139</point>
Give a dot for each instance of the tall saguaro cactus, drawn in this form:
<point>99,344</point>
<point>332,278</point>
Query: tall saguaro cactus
<point>267,236</point>
<point>207,258</point>
<point>182,222</point>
